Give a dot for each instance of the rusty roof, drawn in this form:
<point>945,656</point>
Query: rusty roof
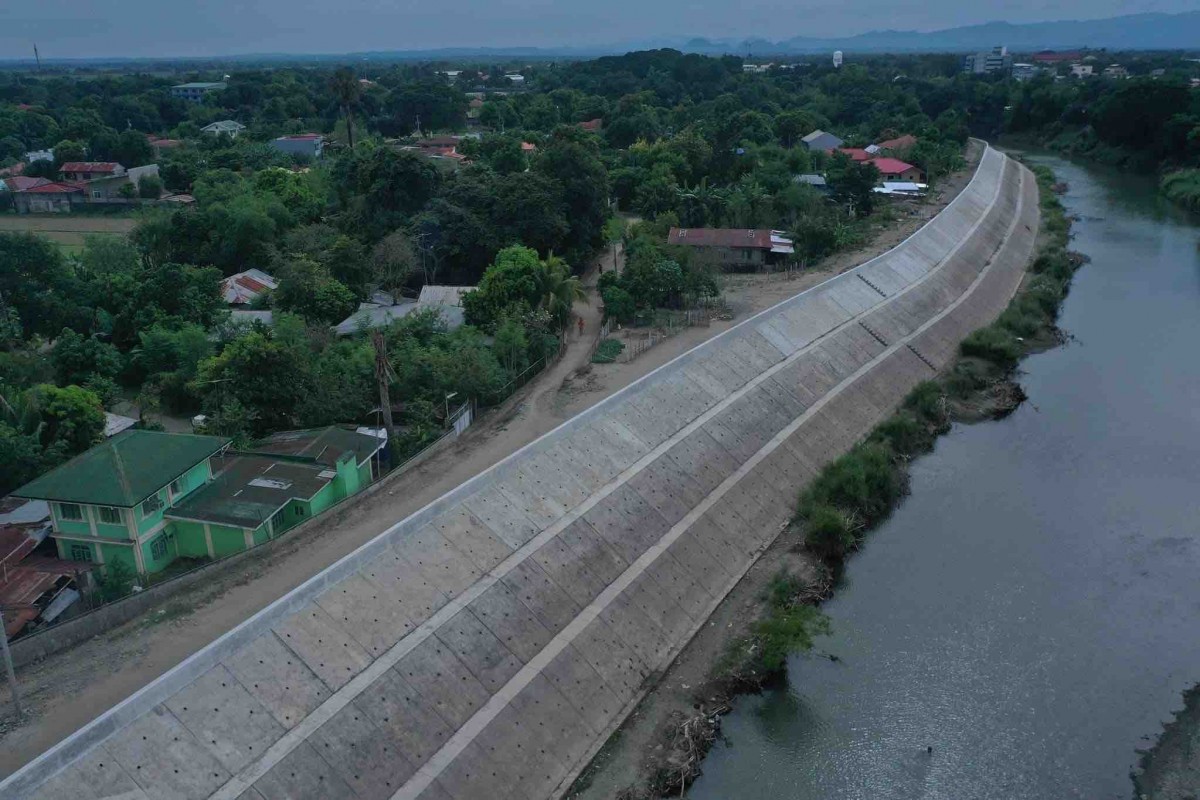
<point>746,238</point>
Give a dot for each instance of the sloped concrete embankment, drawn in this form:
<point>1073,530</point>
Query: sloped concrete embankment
<point>485,646</point>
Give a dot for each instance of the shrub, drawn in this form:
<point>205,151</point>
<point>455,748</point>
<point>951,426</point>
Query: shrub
<point>927,402</point>
<point>116,582</point>
<point>827,533</point>
<point>864,482</point>
<point>969,375</point>
<point>785,631</point>
<point>904,434</point>
<point>992,344</point>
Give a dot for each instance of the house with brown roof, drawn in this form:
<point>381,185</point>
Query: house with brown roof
<point>735,247</point>
<point>49,198</point>
<point>593,125</point>
<point>898,145</point>
<point>90,170</point>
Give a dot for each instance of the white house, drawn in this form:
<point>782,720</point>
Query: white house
<point>225,126</point>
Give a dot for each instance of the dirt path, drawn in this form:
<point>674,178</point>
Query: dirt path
<point>70,689</point>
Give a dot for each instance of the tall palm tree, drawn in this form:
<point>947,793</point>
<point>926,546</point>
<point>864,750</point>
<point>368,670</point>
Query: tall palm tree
<point>559,289</point>
<point>346,89</point>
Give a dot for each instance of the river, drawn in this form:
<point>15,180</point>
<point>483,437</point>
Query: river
<point>1030,611</point>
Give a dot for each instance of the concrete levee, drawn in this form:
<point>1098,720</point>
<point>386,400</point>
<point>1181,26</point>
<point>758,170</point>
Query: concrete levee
<point>486,646</point>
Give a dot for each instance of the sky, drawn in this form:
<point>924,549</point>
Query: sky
<point>165,28</point>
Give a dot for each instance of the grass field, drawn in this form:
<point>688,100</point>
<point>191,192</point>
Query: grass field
<point>65,230</point>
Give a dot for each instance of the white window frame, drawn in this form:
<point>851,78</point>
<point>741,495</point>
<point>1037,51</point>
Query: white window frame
<point>83,547</point>
<point>158,505</point>
<point>62,512</point>
<point>120,518</point>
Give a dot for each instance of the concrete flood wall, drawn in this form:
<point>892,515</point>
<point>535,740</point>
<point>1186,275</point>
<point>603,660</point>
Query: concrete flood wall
<point>485,646</point>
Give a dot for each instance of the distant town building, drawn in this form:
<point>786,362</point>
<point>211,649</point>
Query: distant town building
<point>1024,72</point>
<point>225,126</point>
<point>39,155</point>
<point>988,61</point>
<point>837,59</point>
<point>516,78</point>
<point>736,247</point>
<point>1082,70</point>
<point>195,92</point>
<point>1056,57</point>
<point>820,140</point>
<point>1116,72</point>
<point>309,145</point>
<point>756,68</point>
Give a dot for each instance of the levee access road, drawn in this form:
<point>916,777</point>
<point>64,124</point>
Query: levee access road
<point>485,646</point>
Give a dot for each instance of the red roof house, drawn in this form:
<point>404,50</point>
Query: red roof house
<point>593,125</point>
<point>855,153</point>
<point>893,169</point>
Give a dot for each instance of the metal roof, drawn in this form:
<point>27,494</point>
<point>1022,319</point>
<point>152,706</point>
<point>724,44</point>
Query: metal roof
<point>89,166</point>
<point>891,166</point>
<point>248,490</point>
<point>124,470</point>
<point>325,446</point>
<point>752,239</point>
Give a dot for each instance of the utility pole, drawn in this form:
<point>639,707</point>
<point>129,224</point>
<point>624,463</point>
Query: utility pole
<point>8,668</point>
<point>383,376</point>
<point>37,57</point>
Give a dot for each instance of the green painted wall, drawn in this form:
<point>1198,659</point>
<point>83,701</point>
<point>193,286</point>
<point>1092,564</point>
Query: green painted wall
<point>261,534</point>
<point>119,552</point>
<point>194,478</point>
<point>189,539</point>
<point>226,540</point>
<point>347,482</point>
<point>71,527</point>
<point>118,532</point>
<point>323,499</point>
<point>146,523</point>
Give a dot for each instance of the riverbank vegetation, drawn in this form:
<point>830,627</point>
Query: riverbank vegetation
<point>1148,123</point>
<point>859,490</point>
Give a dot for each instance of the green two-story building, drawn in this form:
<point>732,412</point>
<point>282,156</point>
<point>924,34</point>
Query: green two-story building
<point>146,498</point>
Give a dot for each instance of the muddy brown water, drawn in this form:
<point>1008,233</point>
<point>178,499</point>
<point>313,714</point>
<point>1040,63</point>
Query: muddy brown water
<point>1031,611</point>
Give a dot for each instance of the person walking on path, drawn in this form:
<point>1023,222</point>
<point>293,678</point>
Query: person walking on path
<point>580,325</point>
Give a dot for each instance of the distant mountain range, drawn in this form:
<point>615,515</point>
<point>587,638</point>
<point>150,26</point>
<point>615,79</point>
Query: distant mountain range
<point>1130,32</point>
